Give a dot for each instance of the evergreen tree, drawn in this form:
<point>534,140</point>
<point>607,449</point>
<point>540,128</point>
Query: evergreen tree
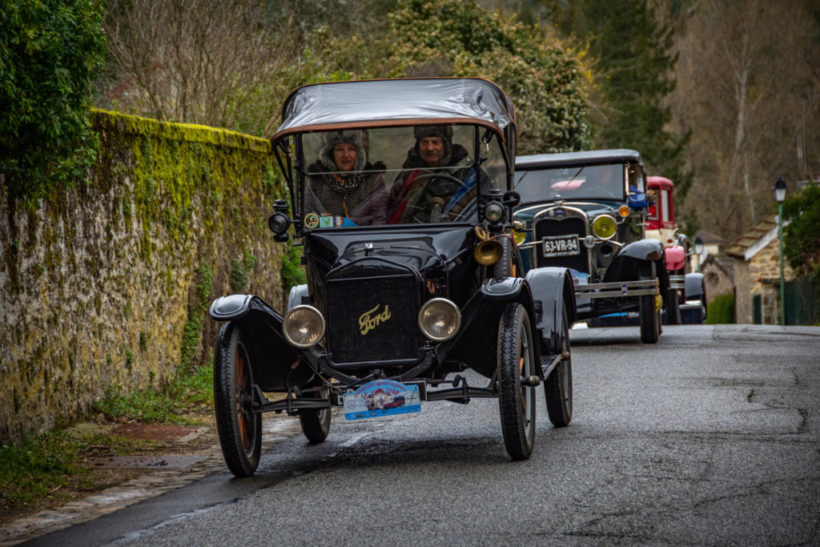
<point>633,61</point>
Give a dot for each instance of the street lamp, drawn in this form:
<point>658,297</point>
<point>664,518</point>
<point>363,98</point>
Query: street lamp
<point>779,197</point>
<point>698,249</point>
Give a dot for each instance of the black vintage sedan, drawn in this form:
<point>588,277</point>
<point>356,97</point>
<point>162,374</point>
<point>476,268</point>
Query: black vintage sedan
<point>401,198</point>
<point>586,211</point>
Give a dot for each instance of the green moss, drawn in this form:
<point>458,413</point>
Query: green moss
<point>192,331</point>
<point>143,341</point>
<point>292,271</point>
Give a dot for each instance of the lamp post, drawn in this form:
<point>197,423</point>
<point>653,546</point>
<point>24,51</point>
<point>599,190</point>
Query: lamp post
<point>698,249</point>
<point>779,197</point>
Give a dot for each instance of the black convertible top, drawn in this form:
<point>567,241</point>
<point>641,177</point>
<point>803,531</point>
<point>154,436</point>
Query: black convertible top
<point>592,157</point>
<point>374,103</point>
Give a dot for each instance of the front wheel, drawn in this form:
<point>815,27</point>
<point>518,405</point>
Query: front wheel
<point>239,427</point>
<point>672,307</point>
<point>558,385</point>
<point>516,361</point>
<point>316,422</point>
<point>649,312</point>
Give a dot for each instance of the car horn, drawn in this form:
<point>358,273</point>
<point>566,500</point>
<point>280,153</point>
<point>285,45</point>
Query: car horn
<point>487,251</point>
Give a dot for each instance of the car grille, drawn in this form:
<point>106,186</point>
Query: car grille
<point>553,227</point>
<point>373,318</point>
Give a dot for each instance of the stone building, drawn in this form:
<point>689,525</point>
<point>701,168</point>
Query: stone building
<point>718,275</point>
<point>757,273</point>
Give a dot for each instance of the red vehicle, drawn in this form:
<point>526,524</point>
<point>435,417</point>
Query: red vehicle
<point>660,225</point>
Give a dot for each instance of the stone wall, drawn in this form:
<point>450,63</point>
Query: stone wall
<point>106,285</point>
<point>760,276</point>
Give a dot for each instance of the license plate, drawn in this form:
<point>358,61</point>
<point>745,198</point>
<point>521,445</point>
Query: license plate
<point>381,398</point>
<point>561,245</point>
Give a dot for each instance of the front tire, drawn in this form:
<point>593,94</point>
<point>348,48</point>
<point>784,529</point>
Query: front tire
<point>516,360</point>
<point>239,427</point>
<point>316,423</point>
<point>672,307</point>
<point>650,315</point>
<point>558,385</point>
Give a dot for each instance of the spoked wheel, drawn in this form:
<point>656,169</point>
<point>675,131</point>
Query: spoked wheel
<point>650,316</point>
<point>516,361</point>
<point>316,422</point>
<point>239,427</point>
<point>558,385</point>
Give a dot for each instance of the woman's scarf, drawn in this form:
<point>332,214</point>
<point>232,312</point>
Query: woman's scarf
<point>344,185</point>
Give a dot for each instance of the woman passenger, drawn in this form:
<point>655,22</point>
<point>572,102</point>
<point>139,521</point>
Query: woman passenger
<point>342,183</point>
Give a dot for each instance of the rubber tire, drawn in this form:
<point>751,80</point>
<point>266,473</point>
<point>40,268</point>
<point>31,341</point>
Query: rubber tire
<point>672,308</point>
<point>558,385</point>
<point>239,428</point>
<point>316,423</point>
<point>650,317</point>
<point>516,402</point>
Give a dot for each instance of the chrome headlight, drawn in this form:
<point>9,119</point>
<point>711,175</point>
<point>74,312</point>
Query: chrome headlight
<point>439,319</point>
<point>303,326</point>
<point>604,226</point>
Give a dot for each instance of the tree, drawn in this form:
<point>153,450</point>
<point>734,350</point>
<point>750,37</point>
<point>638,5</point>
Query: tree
<point>459,38</point>
<point>50,54</point>
<point>748,94</point>
<point>631,51</point>
<point>802,235</point>
<point>225,64</point>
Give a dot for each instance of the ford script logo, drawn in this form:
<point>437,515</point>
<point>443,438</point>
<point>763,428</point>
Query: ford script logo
<point>370,319</point>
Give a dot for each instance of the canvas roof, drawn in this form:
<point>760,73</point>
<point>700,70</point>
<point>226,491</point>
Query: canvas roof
<point>376,103</point>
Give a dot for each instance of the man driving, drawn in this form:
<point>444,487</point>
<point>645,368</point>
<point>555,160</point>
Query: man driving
<point>437,180</point>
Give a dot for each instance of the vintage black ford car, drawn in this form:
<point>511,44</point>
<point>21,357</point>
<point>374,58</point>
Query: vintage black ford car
<point>586,211</point>
<point>400,194</point>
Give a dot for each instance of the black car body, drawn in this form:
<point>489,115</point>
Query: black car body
<point>396,310</point>
<point>586,211</point>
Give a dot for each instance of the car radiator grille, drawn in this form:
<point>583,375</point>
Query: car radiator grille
<point>552,227</point>
<point>373,319</point>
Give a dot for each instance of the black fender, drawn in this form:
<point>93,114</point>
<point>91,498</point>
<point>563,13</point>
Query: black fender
<point>476,344</point>
<point>298,295</point>
<point>633,258</point>
<point>694,288</point>
<point>552,289</point>
<point>275,364</point>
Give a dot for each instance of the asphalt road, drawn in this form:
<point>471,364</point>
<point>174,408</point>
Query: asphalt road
<point>709,437</point>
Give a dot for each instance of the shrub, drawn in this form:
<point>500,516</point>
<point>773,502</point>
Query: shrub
<point>50,54</point>
<point>721,310</point>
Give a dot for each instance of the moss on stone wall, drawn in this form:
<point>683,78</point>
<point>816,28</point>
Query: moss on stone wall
<point>107,285</point>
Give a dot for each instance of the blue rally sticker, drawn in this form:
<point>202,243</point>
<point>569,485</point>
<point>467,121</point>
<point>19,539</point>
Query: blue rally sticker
<point>381,398</point>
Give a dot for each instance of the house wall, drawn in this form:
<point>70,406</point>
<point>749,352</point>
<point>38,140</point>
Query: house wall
<point>760,276</point>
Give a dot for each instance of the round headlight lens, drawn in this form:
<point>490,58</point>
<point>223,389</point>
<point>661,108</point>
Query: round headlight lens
<point>303,326</point>
<point>604,226</point>
<point>494,211</point>
<point>439,319</point>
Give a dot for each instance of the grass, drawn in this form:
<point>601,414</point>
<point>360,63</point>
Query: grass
<point>51,468</point>
<point>187,392</point>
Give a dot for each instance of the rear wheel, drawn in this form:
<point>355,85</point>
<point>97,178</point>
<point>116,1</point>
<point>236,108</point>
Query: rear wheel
<point>316,422</point>
<point>558,385</point>
<point>239,427</point>
<point>516,361</point>
<point>650,315</point>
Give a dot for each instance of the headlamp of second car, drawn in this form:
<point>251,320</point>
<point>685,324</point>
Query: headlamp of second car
<point>303,326</point>
<point>439,319</point>
<point>604,226</point>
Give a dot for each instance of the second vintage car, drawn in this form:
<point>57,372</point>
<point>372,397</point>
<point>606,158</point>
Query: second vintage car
<point>401,198</point>
<point>586,211</point>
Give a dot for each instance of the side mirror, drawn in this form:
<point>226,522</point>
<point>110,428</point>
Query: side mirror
<point>279,221</point>
<point>511,198</point>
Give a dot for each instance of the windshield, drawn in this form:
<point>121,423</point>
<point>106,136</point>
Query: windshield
<point>398,175</point>
<point>576,182</point>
